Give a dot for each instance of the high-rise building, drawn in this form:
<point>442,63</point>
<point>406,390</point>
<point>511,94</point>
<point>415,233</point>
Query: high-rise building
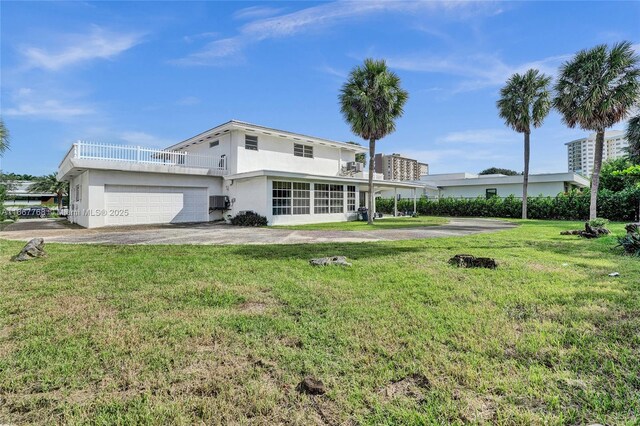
<point>397,167</point>
<point>580,152</point>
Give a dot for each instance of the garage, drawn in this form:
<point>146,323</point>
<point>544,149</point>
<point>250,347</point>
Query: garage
<point>136,205</point>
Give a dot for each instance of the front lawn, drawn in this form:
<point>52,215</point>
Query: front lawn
<point>218,335</point>
<point>382,223</point>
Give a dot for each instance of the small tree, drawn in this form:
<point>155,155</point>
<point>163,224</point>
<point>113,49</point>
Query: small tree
<point>4,138</point>
<point>361,157</point>
<point>595,90</point>
<point>50,183</point>
<point>524,102</point>
<point>633,137</point>
<point>371,101</point>
<point>499,171</point>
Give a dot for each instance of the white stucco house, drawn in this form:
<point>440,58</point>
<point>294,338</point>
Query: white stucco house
<point>288,177</point>
<point>470,185</point>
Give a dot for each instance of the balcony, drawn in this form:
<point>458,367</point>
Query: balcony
<point>85,155</point>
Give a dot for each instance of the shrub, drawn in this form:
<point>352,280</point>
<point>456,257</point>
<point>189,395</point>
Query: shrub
<point>249,219</point>
<point>631,242</point>
<point>574,205</point>
<point>599,223</point>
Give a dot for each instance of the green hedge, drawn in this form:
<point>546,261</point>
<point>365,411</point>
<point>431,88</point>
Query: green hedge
<point>617,206</point>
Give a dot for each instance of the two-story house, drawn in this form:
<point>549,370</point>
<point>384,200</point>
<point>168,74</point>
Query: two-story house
<point>288,177</point>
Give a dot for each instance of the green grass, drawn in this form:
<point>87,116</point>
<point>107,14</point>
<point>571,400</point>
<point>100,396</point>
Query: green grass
<point>215,335</point>
<point>383,223</point>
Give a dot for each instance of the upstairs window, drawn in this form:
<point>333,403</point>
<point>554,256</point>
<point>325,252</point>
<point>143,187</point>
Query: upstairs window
<point>214,143</point>
<point>251,142</point>
<point>300,150</point>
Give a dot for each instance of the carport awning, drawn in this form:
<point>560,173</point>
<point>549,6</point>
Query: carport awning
<point>348,180</point>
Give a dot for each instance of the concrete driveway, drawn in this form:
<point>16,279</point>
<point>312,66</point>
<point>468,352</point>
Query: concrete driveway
<point>59,231</point>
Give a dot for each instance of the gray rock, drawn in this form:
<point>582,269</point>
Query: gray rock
<point>311,386</point>
<point>331,260</point>
<point>33,249</point>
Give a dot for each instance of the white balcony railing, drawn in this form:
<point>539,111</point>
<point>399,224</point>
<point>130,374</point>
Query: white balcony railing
<point>140,155</point>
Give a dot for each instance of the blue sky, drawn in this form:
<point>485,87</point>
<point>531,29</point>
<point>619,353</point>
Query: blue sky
<point>154,73</point>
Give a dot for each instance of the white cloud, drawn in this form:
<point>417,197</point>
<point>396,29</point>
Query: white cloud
<point>318,18</point>
<point>144,139</point>
<point>76,48</point>
<point>479,137</point>
<point>29,104</point>
<point>256,12</point>
<point>188,101</point>
<point>477,71</point>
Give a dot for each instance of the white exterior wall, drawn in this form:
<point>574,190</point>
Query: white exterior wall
<point>83,204</point>
<point>93,190</point>
<point>249,194</point>
<point>277,154</point>
<point>504,190</point>
<point>273,153</point>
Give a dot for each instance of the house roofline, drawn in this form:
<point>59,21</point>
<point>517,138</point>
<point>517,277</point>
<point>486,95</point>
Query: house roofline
<point>243,125</point>
<point>308,176</point>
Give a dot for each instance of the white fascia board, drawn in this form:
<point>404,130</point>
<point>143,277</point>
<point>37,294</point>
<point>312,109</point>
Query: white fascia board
<point>305,176</point>
<point>505,180</point>
<point>248,127</point>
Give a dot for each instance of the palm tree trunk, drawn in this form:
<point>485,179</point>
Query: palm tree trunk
<point>372,198</point>
<point>595,176</point>
<point>59,201</point>
<point>525,178</point>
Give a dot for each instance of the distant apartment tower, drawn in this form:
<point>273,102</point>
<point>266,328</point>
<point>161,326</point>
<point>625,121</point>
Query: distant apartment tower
<point>580,153</point>
<point>397,167</point>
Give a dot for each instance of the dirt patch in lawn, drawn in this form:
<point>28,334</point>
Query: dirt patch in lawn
<point>413,387</point>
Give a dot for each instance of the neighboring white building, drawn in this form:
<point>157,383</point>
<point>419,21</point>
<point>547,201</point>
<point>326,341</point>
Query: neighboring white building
<point>288,177</point>
<point>19,194</point>
<point>469,185</point>
<point>580,152</point>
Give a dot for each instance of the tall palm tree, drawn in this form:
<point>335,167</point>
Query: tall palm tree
<point>371,100</point>
<point>4,138</point>
<point>633,137</point>
<point>50,183</point>
<point>595,90</point>
<point>525,101</point>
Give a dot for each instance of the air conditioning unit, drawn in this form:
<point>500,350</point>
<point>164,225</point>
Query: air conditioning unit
<point>219,202</point>
<point>354,166</point>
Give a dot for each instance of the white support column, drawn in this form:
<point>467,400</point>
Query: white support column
<point>395,201</point>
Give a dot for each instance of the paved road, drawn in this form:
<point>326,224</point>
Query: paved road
<point>216,233</point>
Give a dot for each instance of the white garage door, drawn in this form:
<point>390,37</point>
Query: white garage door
<point>133,205</point>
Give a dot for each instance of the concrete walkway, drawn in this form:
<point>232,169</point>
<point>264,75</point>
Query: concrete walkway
<point>59,231</point>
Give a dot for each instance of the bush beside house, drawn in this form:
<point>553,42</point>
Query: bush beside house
<point>616,206</point>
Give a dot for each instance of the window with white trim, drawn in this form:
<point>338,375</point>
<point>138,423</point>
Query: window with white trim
<point>336,195</point>
<point>351,198</point>
<point>215,143</point>
<point>251,142</point>
<point>300,150</point>
<point>301,198</point>
<point>78,193</point>
<point>281,198</point>
<point>320,198</point>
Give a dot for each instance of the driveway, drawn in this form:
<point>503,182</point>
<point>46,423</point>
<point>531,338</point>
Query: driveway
<point>59,231</point>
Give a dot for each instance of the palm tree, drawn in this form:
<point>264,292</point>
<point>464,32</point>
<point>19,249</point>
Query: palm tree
<point>595,90</point>
<point>371,100</point>
<point>633,137</point>
<point>525,101</point>
<point>4,138</point>
<point>49,183</point>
